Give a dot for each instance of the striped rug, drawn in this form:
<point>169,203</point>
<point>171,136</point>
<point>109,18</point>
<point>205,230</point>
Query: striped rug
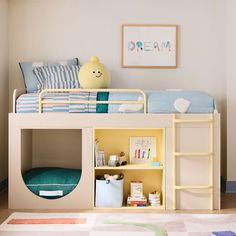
<point>117,224</point>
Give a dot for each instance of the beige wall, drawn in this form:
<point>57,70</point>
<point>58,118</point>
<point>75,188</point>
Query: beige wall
<point>3,87</point>
<point>60,29</point>
<point>53,29</point>
<point>231,88</point>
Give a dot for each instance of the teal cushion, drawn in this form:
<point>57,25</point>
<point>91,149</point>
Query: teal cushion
<point>52,182</point>
<point>31,82</point>
<point>102,96</point>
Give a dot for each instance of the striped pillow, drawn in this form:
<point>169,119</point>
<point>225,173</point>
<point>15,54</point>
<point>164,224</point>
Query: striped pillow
<point>57,77</point>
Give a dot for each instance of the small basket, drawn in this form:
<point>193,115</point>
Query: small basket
<point>109,193</point>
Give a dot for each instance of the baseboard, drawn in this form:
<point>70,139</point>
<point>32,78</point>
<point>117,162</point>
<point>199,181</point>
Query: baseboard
<point>228,186</point>
<point>3,185</point>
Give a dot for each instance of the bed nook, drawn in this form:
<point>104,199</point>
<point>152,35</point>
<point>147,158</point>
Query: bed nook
<point>45,170</point>
<point>58,128</point>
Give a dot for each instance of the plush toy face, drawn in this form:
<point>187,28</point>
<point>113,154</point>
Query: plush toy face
<point>94,75</point>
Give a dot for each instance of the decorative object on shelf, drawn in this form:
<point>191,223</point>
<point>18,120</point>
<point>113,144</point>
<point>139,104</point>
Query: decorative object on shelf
<point>154,199</point>
<point>110,178</point>
<point>94,75</point>
<point>96,148</point>
<point>136,188</point>
<point>98,154</point>
<point>142,149</point>
<point>155,163</point>
<point>122,159</point>
<point>149,46</point>
<point>113,158</point>
<point>100,158</point>
<point>113,161</point>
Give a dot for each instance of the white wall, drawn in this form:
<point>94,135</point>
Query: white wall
<point>231,88</point>
<point>60,29</point>
<point>3,87</point>
<point>52,29</point>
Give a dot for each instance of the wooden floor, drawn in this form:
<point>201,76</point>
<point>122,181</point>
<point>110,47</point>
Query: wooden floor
<point>228,205</point>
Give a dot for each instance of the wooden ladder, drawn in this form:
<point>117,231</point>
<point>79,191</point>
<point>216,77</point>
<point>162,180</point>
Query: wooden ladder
<point>209,154</point>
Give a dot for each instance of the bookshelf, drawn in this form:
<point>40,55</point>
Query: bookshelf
<point>112,142</point>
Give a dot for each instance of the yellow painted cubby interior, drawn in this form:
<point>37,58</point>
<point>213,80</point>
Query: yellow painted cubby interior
<point>152,180</point>
<point>114,141</point>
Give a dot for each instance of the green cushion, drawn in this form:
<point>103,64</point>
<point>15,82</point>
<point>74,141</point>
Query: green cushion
<point>51,182</point>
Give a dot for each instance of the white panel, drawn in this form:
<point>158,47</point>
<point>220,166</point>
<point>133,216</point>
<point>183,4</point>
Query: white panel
<point>192,171</point>
<point>193,139</point>
<point>193,199</point>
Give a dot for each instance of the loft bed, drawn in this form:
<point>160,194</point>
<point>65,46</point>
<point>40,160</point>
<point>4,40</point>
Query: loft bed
<point>189,118</point>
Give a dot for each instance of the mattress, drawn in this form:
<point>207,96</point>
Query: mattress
<point>158,101</point>
<point>51,182</point>
<point>180,101</point>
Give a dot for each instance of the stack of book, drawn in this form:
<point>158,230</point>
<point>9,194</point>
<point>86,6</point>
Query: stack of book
<point>137,198</point>
<point>137,201</point>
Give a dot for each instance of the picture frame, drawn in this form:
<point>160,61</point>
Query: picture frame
<point>149,46</point>
<point>99,155</point>
<point>99,158</point>
<point>142,149</point>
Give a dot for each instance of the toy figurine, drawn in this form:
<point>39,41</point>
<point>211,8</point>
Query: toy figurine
<point>122,159</point>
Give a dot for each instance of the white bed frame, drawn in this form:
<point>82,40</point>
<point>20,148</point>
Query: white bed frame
<point>199,134</point>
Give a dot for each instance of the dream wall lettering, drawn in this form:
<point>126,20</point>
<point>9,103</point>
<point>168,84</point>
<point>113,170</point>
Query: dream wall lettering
<point>145,46</point>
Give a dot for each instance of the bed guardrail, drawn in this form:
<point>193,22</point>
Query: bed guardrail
<point>42,100</point>
<point>16,94</point>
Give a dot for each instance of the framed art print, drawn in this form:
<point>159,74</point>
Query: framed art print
<point>149,46</point>
<point>142,149</point>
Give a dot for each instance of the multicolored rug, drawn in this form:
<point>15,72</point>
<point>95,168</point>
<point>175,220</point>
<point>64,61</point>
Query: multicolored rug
<point>116,224</point>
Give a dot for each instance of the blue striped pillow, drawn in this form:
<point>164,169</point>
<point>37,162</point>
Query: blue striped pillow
<point>31,82</point>
<point>57,77</point>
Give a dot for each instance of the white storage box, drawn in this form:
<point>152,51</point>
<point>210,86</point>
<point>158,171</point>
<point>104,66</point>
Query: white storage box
<point>109,193</point>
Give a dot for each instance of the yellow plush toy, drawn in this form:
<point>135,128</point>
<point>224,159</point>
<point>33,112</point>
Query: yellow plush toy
<point>94,75</point>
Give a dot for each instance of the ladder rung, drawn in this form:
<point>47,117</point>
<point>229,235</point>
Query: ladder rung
<point>193,121</point>
<point>193,187</point>
<point>193,154</point>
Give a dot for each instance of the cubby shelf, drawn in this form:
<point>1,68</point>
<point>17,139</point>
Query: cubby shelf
<point>130,167</point>
<point>113,141</point>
